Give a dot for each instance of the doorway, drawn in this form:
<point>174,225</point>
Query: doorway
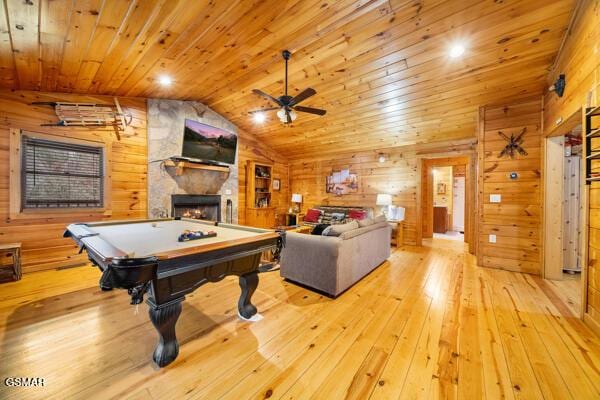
<point>563,215</point>
<point>446,201</point>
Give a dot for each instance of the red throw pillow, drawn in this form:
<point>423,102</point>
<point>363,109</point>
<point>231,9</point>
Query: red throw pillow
<point>312,215</point>
<point>358,215</point>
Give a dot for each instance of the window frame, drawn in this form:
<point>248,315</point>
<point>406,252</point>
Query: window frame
<point>16,209</point>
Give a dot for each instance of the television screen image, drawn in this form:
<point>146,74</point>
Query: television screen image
<point>207,143</point>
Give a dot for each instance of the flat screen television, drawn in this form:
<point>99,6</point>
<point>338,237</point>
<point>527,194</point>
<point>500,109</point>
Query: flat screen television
<point>206,143</point>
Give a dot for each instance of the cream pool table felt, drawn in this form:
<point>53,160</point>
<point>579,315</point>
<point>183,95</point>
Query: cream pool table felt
<point>158,238</point>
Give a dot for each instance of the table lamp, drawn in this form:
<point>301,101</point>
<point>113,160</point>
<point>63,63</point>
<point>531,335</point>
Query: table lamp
<point>385,201</point>
<point>399,213</point>
<point>296,199</point>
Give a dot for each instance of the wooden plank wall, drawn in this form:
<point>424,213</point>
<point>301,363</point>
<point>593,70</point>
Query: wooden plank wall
<point>249,148</point>
<point>43,245</point>
<point>580,62</point>
<point>516,221</point>
<point>398,176</point>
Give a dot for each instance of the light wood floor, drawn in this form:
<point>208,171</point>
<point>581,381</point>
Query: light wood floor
<point>426,324</point>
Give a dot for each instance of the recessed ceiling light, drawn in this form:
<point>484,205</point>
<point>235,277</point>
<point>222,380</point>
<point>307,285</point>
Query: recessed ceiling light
<point>165,80</point>
<point>381,157</point>
<point>457,50</point>
<point>259,117</point>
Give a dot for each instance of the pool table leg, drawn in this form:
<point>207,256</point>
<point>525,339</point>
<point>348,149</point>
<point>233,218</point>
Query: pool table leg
<point>164,318</point>
<point>248,283</point>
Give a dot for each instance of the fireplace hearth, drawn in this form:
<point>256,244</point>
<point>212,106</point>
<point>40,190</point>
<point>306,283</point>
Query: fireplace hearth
<point>197,206</point>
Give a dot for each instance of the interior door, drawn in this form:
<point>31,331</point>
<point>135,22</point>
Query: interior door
<point>458,204</point>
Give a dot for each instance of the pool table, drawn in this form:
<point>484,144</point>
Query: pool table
<point>145,256</point>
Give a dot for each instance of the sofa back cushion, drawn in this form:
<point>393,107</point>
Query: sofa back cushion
<point>380,218</point>
<point>365,222</point>
<point>357,232</point>
<point>337,230</point>
<point>312,215</point>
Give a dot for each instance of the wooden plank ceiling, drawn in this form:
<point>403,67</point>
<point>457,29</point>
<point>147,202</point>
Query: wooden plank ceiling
<point>381,67</point>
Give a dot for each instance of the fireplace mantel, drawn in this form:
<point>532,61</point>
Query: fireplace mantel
<point>180,166</point>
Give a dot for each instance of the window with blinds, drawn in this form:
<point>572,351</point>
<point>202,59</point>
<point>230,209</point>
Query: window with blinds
<point>61,175</point>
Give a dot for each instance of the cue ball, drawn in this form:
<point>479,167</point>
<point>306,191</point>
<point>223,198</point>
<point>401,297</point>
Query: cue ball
<point>154,224</point>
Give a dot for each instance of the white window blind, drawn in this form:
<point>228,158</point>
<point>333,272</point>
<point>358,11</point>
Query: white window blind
<point>61,175</point>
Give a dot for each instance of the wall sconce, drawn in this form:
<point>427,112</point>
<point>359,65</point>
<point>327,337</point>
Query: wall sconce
<point>559,86</point>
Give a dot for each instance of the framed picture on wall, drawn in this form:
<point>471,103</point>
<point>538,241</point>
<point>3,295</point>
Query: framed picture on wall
<point>341,182</point>
<point>276,184</point>
<point>441,188</point>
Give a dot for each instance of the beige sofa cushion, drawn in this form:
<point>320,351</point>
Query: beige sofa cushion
<point>337,230</point>
<point>356,232</point>
<point>365,222</point>
<point>380,218</point>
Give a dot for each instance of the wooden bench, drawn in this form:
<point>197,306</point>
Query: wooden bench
<point>12,250</point>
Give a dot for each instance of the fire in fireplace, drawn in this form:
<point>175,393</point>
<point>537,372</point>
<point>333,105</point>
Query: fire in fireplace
<point>197,206</point>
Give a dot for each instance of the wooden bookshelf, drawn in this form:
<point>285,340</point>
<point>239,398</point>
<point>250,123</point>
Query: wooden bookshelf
<point>259,190</point>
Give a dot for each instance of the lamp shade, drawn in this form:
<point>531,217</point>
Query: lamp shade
<point>296,198</point>
<point>384,199</point>
<point>399,213</point>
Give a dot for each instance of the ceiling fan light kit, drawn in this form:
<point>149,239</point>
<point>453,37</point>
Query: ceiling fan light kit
<point>282,115</point>
<point>288,105</point>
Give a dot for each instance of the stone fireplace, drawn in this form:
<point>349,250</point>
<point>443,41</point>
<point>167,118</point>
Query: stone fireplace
<point>197,206</point>
<point>166,120</point>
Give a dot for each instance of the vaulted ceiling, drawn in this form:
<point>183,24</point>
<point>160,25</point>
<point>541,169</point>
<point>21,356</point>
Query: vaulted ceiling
<point>380,68</point>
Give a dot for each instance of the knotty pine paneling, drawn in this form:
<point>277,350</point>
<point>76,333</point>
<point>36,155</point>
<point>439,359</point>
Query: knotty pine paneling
<point>592,308</point>
<point>249,148</point>
<point>43,244</point>
<point>516,220</point>
<point>580,62</point>
<point>397,176</point>
<point>380,68</point>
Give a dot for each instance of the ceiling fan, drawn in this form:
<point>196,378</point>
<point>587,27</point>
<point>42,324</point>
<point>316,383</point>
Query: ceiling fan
<point>288,104</point>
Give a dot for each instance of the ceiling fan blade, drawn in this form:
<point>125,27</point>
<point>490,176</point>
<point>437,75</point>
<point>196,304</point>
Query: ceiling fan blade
<point>288,116</point>
<point>310,110</point>
<point>305,94</point>
<point>263,109</point>
<point>267,96</point>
